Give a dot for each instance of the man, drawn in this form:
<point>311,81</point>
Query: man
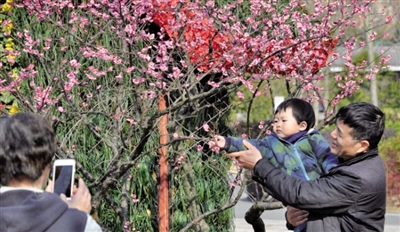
<point>27,148</point>
<point>352,196</point>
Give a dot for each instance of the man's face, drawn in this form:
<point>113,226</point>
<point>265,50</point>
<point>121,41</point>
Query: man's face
<point>343,144</point>
<point>285,124</point>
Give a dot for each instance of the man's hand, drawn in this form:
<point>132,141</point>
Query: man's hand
<point>80,199</point>
<point>247,159</point>
<point>295,216</point>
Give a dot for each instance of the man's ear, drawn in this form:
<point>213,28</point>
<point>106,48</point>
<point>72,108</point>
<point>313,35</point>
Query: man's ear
<point>303,126</point>
<point>364,146</point>
<point>48,166</point>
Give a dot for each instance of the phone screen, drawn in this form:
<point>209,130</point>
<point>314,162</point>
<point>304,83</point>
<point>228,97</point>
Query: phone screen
<point>62,180</point>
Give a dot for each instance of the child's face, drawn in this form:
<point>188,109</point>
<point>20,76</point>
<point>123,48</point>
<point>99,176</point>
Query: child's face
<point>285,124</point>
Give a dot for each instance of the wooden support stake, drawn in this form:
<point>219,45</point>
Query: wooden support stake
<point>163,197</point>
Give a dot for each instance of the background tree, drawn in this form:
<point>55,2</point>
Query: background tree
<point>99,69</point>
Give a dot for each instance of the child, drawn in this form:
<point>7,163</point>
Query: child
<point>294,146</point>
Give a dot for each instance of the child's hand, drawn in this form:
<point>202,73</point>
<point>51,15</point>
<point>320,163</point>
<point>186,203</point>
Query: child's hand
<point>295,216</point>
<point>217,142</point>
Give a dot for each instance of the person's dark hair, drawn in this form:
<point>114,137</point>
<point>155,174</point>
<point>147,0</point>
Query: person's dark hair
<point>302,111</point>
<point>366,120</point>
<point>27,145</point>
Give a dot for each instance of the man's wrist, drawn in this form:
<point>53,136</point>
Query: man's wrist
<point>258,161</point>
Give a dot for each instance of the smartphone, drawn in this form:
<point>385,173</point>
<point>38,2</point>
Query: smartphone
<point>64,176</point>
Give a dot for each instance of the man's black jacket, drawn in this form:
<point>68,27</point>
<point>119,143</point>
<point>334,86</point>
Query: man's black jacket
<point>351,197</point>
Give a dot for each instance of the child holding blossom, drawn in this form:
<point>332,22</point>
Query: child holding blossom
<point>294,146</point>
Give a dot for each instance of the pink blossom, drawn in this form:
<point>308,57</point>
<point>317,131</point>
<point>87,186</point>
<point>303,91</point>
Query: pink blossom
<point>138,80</point>
<point>42,97</point>
<point>372,36</point>
<point>11,60</point>
<point>74,63</point>
<point>183,63</point>
<point>386,35</point>
<point>213,84</point>
<point>118,77</point>
<point>126,225</point>
<point>61,109</point>
<point>161,84</point>
<point>210,4</point>
<point>131,121</point>
<point>385,60</point>
<point>240,95</point>
<point>199,148</point>
<point>215,149</point>
<point>176,73</point>
<point>149,94</point>
<point>206,127</point>
<point>130,69</point>
<point>134,198</point>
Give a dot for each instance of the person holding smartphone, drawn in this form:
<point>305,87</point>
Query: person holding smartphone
<point>27,148</point>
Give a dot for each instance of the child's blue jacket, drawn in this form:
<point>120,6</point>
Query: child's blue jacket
<point>307,158</point>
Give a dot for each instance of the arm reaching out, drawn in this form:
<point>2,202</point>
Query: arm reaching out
<point>248,158</point>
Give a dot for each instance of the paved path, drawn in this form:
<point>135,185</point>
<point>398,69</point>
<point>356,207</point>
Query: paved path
<point>270,225</point>
<point>274,220</point>
<point>278,226</point>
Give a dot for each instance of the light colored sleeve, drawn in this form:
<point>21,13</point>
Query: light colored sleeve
<point>91,225</point>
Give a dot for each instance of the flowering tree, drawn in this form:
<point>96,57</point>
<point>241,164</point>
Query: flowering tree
<point>100,69</point>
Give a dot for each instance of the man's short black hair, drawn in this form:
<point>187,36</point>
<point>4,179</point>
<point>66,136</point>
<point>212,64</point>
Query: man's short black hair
<point>366,120</point>
<point>302,111</point>
<point>27,145</point>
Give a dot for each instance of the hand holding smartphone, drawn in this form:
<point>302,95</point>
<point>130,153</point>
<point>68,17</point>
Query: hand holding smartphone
<point>63,176</point>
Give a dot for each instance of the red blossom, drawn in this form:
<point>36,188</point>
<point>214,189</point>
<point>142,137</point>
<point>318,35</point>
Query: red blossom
<point>207,46</point>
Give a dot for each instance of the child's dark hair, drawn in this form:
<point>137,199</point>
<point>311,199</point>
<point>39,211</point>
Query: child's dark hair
<point>302,111</point>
